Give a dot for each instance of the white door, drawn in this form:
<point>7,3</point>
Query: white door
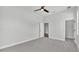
<point>41,30</point>
<point>70,29</point>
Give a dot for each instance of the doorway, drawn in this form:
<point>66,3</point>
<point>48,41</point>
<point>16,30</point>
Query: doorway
<point>44,29</point>
<point>70,29</point>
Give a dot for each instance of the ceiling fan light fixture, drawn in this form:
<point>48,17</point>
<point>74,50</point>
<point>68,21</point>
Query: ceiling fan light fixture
<point>42,9</point>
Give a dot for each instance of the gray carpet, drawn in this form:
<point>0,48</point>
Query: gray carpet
<point>44,45</point>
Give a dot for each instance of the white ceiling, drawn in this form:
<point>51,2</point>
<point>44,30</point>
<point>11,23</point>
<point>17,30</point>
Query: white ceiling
<point>29,13</point>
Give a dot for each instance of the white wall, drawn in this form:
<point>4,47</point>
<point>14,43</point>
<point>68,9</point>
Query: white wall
<point>57,24</point>
<point>17,24</point>
<point>77,37</point>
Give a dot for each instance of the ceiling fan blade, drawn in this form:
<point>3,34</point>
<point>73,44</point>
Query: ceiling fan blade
<point>37,9</point>
<point>46,10</point>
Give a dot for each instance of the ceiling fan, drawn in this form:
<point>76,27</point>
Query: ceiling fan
<point>42,9</point>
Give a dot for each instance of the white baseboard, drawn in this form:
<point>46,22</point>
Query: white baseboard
<point>14,44</point>
<point>58,39</point>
